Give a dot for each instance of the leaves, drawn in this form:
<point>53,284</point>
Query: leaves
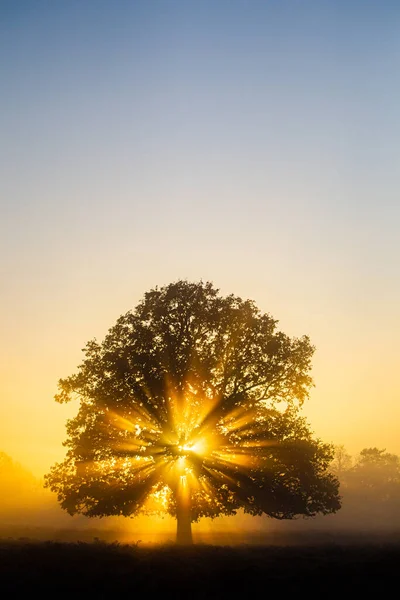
<point>197,386</point>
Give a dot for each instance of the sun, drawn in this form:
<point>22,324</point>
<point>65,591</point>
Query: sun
<point>187,453</point>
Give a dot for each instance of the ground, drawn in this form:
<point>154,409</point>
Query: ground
<point>101,570</point>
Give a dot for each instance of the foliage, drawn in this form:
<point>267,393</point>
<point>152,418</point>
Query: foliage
<point>15,481</point>
<point>342,461</point>
<point>193,397</point>
<point>370,489</point>
<point>376,474</point>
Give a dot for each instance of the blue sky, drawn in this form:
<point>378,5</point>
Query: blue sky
<point>254,144</point>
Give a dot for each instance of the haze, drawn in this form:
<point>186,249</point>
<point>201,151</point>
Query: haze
<point>255,145</point>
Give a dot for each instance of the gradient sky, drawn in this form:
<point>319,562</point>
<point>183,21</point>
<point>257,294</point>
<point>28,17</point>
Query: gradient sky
<point>255,144</point>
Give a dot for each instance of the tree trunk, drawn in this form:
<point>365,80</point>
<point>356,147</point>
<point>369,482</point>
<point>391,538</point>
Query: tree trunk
<point>183,518</point>
<point>184,528</point>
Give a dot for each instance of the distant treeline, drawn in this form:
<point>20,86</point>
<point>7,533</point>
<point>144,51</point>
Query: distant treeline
<point>370,488</point>
<point>370,492</point>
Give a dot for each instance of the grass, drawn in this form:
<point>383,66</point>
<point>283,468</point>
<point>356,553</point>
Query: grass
<point>102,570</point>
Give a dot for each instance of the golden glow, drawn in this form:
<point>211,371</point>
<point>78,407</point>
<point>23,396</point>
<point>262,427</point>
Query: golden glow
<point>200,446</point>
<point>194,452</point>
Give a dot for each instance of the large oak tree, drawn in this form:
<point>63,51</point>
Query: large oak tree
<point>191,405</point>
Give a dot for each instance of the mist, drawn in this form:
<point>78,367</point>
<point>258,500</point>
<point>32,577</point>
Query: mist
<point>369,488</point>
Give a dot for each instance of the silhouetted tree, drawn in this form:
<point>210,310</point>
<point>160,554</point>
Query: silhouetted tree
<point>341,463</point>
<point>370,488</point>
<point>191,405</point>
<point>376,473</point>
<point>20,491</point>
<point>14,479</point>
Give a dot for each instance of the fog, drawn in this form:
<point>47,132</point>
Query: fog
<point>370,490</point>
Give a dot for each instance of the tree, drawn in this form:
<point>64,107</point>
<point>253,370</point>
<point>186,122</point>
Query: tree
<point>15,481</point>
<point>371,491</point>
<point>191,405</point>
<point>342,461</point>
<point>20,492</point>
<point>377,473</point>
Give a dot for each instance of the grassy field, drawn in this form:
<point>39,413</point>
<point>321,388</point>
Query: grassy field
<point>102,570</point>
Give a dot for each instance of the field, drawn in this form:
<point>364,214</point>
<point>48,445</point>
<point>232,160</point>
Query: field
<point>104,570</point>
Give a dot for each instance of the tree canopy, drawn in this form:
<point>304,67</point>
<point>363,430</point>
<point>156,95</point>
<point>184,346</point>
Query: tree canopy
<point>191,405</point>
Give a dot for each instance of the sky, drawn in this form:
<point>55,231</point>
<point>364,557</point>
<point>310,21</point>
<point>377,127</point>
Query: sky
<point>254,144</point>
